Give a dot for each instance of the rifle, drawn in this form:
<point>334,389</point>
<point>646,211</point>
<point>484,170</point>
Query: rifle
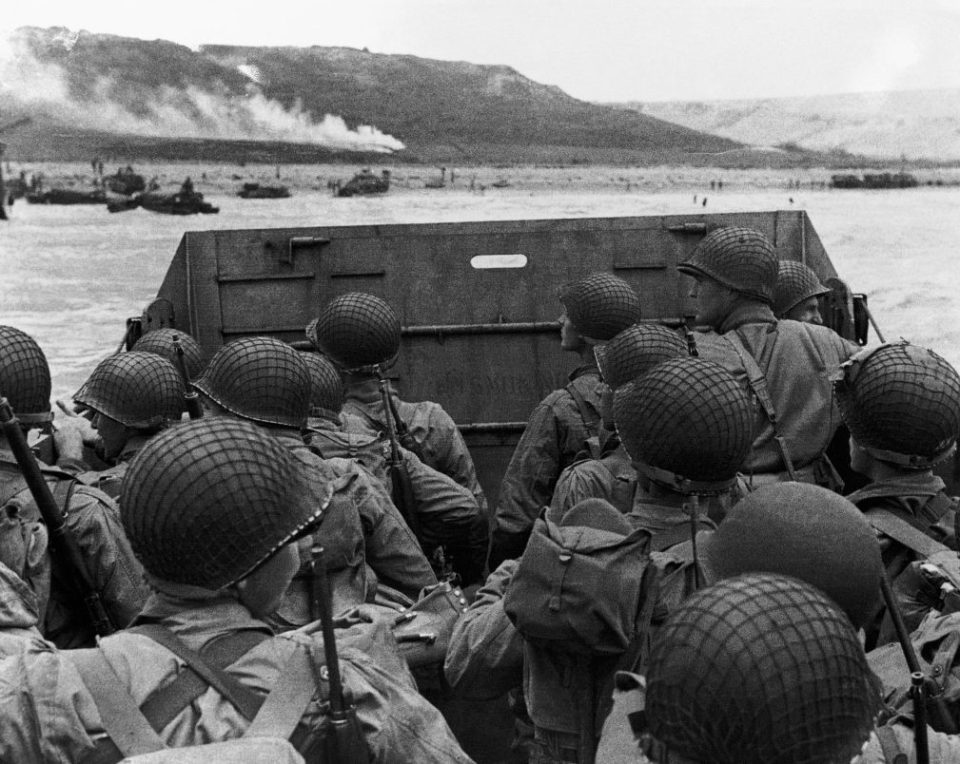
<point>344,744</point>
<point>191,399</point>
<point>62,542</point>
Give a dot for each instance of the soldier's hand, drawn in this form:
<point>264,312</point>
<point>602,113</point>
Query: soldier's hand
<point>71,420</point>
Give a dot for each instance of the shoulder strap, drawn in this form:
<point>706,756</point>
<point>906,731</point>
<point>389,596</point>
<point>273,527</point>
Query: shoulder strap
<point>890,523</point>
<point>284,707</point>
<point>127,727</point>
<point>591,419</point>
<point>245,700</point>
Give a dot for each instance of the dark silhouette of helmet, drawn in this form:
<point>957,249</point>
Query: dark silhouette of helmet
<point>902,404</point>
<point>796,283</point>
<point>161,342</point>
<point>24,376</point>
<point>141,390</point>
<point>636,350</point>
<point>686,424</point>
<point>326,399</point>
<point>600,305</point>
<point>742,259</point>
<point>804,531</point>
<point>261,379</point>
<point>206,502</point>
<point>760,669</point>
<point>356,330</point>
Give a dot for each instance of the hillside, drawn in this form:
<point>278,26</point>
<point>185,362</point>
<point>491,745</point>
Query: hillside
<point>917,125</point>
<point>122,97</point>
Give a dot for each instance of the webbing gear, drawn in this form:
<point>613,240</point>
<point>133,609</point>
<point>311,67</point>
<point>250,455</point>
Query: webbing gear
<point>600,305</point>
<point>261,379</point>
<point>758,383</point>
<point>137,389</point>
<point>357,330</point>
<point>898,526</point>
<point>741,259</point>
<point>588,415</point>
<point>901,403</point>
<point>796,283</point>
<point>24,376</point>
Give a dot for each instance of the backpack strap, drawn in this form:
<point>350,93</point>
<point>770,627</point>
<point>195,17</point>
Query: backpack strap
<point>893,524</point>
<point>281,712</point>
<point>591,419</point>
<point>167,703</point>
<point>758,383</point>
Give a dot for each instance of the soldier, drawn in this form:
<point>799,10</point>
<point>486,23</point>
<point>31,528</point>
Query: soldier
<point>164,342</point>
<point>902,406</point>
<point>787,364</point>
<point>447,515</point>
<point>91,516</point>
<point>596,309</point>
<point>265,381</point>
<point>607,473</point>
<point>131,396</point>
<point>797,294</point>
<point>759,668</point>
<point>688,427</point>
<point>216,510</point>
<point>360,332</point>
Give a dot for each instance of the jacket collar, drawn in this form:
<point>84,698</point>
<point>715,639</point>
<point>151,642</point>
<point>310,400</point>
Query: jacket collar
<point>747,312</point>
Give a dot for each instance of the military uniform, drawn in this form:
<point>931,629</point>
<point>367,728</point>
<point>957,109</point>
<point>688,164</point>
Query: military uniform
<point>610,477</point>
<point>94,521</point>
<point>110,479</point>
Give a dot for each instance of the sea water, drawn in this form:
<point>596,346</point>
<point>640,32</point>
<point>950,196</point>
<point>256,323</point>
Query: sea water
<point>71,275</point>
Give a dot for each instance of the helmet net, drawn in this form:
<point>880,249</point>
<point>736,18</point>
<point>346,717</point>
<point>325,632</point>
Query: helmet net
<point>136,389</point>
<point>741,259</point>
<point>600,305</point>
<point>635,351</point>
<point>163,342</point>
<point>24,375</point>
<point>357,330</point>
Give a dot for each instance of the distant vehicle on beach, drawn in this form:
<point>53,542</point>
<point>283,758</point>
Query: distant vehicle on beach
<point>365,182</point>
<point>125,182</point>
<point>179,203</point>
<point>257,191</point>
<point>875,180</point>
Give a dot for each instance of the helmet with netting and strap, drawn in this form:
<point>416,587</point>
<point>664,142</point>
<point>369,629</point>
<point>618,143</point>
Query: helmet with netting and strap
<point>687,425</point>
<point>742,259</point>
<point>635,351</point>
<point>796,283</point>
<point>901,403</point>
<point>139,390</point>
<point>760,669</point>
<point>600,305</point>
<point>207,502</point>
<point>261,379</point>
<point>326,398</point>
<point>805,531</point>
<point>164,341</point>
<point>24,376</point>
<point>357,331</point>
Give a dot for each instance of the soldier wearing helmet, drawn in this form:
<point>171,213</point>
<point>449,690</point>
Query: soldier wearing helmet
<point>360,332</point>
<point>687,426</point>
<point>90,515</point>
<point>219,513</point>
<point>130,397</point>
<point>901,404</point>
<point>164,342</point>
<point>787,364</point>
<point>265,381</point>
<point>447,513</point>
<point>605,472</point>
<point>595,310</point>
<point>798,292</point>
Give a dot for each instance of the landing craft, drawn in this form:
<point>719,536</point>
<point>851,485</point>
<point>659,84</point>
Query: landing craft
<point>365,182</point>
<point>477,300</point>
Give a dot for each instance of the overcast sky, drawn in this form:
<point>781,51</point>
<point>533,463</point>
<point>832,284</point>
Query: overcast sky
<point>596,50</point>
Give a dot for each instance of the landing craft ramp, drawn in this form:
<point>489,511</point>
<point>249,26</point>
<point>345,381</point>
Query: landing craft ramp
<point>477,300</point>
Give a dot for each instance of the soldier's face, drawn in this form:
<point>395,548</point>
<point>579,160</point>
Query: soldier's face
<point>713,301</point>
<point>570,338</point>
<point>113,434</point>
<point>262,591</point>
<point>807,311</point>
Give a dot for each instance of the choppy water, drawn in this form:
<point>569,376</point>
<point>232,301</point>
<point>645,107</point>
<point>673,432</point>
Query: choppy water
<point>71,275</point>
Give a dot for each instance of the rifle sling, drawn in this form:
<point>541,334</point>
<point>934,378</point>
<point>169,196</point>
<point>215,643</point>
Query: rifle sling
<point>590,418</point>
<point>892,524</point>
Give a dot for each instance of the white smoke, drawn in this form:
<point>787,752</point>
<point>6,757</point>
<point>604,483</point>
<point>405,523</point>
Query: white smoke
<point>177,113</point>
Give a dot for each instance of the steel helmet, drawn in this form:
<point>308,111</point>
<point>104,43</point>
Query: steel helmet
<point>206,502</point>
<point>804,531</point>
<point>687,424</point>
<point>161,342</point>
<point>356,330</point>
<point>141,390</point>
<point>24,376</point>
<point>636,350</point>
<point>261,379</point>
<point>326,399</point>
<point>901,403</point>
<point>742,259</point>
<point>796,283</point>
<point>600,305</point>
<point>760,669</point>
